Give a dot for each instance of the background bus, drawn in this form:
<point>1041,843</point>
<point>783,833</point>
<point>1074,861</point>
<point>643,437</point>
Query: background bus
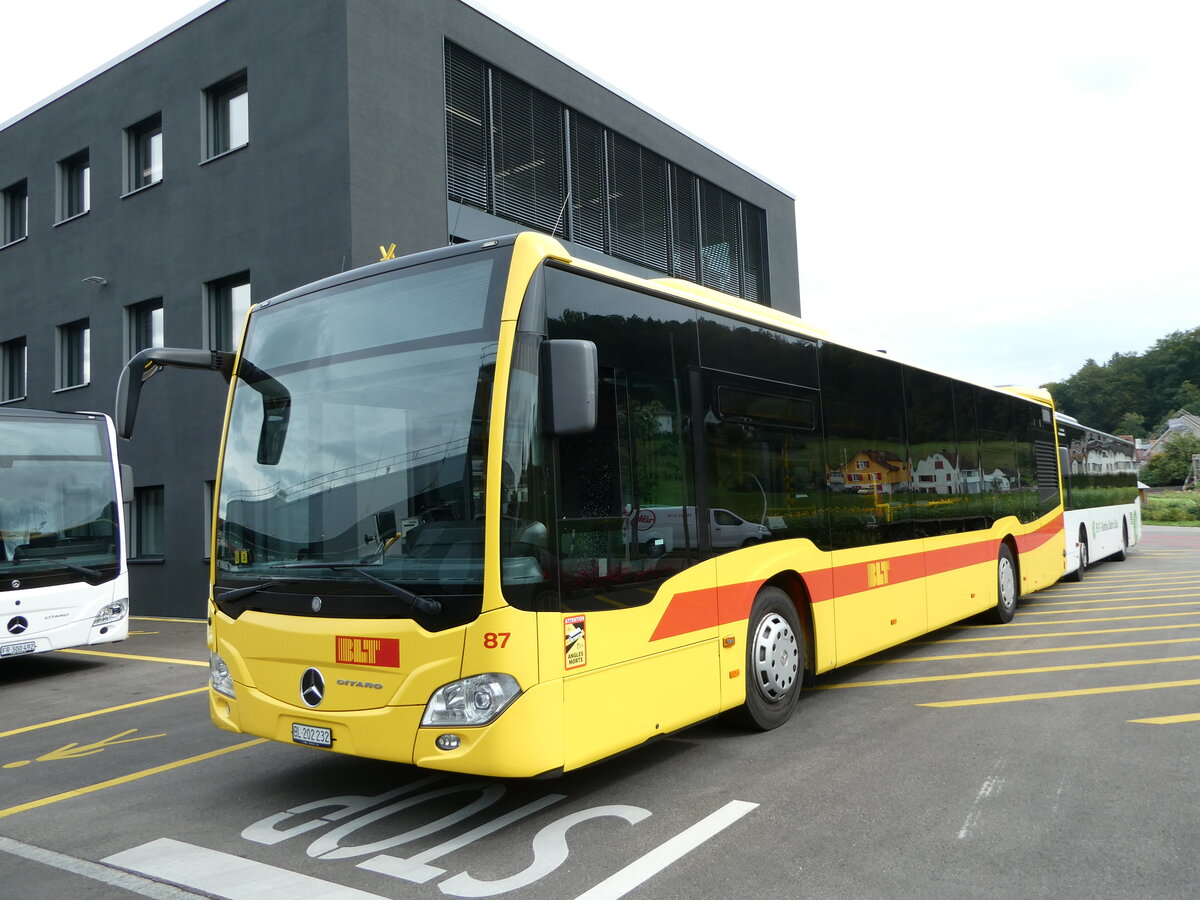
<point>63,581</point>
<point>1102,515</point>
<point>423,548</point>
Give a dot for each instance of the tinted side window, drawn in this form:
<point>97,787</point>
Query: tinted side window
<point>866,443</point>
<point>614,535</point>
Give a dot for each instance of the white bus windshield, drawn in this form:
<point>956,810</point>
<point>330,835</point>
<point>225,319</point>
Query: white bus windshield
<point>58,515</point>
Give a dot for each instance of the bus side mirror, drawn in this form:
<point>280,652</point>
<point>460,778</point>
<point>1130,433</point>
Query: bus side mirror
<point>1064,463</point>
<point>570,382</point>
<point>152,360</point>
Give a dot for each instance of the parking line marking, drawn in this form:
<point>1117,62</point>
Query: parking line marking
<point>167,619</point>
<point>1168,720</point>
<point>125,779</point>
<point>1082,621</point>
<point>95,871</point>
<point>944,656</point>
<point>924,679</point>
<point>225,875</point>
<point>1056,695</point>
<point>1014,637</point>
<point>1062,612</point>
<point>645,867</point>
<point>161,659</point>
<point>100,712</point>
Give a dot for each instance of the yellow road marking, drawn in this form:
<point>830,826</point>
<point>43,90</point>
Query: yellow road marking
<point>1168,720</point>
<point>125,779</point>
<point>1110,597</point>
<point>74,749</point>
<point>161,659</point>
<point>902,659</point>
<point>925,679</point>
<point>1014,637</point>
<point>1055,695</point>
<point>167,619</point>
<point>1083,621</point>
<point>1060,612</point>
<point>101,712</point>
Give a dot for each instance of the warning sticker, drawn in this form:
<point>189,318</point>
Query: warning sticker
<point>575,629</point>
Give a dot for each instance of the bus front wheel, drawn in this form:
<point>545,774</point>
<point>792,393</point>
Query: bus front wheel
<point>1007,591</point>
<point>774,660</point>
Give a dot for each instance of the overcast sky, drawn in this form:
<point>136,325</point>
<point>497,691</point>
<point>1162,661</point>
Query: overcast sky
<point>1000,190</point>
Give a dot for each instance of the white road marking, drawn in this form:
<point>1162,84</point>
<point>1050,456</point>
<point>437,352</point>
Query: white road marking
<point>992,785</point>
<point>96,872</point>
<point>227,876</point>
<point>649,865</point>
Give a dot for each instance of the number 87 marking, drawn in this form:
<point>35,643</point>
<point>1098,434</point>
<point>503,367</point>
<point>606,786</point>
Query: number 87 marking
<point>493,639</point>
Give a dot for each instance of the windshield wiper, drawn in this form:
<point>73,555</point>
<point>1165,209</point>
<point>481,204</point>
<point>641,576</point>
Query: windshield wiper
<point>91,576</point>
<point>239,593</point>
<point>426,605</point>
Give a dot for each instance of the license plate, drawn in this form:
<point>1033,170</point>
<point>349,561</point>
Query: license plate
<point>312,735</point>
<point>18,649</point>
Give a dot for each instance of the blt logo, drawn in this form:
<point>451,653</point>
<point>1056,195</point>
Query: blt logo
<point>877,573</point>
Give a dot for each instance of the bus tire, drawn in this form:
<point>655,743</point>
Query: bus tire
<point>1119,556</point>
<point>1007,590</point>
<point>1077,575</point>
<point>774,660</point>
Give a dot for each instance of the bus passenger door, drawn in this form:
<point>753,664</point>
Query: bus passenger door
<point>761,483</point>
<point>637,624</point>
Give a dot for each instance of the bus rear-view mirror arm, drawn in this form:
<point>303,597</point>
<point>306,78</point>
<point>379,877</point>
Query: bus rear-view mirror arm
<point>151,361</point>
<point>570,383</point>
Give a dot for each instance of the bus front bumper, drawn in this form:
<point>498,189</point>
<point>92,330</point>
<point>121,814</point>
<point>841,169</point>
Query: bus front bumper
<point>523,741</point>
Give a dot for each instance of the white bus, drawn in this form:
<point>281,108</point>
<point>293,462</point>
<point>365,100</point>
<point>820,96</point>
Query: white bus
<point>1102,515</point>
<point>63,578</point>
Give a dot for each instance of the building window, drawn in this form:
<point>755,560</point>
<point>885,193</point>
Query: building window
<point>74,186</point>
<point>228,302</point>
<point>228,115</point>
<point>518,153</point>
<point>13,363</point>
<point>144,153</point>
<point>16,212</point>
<point>74,354</point>
<point>144,326</point>
<point>149,522</point>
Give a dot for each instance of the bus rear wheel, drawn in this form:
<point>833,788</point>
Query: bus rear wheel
<point>1119,556</point>
<point>774,660</point>
<point>1077,575</point>
<point>1007,591</point>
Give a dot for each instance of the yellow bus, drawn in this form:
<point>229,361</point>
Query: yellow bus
<point>496,510</point>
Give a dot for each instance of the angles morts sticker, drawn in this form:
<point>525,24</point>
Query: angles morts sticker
<point>574,628</point>
<point>367,651</point>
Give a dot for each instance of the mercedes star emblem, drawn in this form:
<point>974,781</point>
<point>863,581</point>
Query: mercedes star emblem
<point>17,625</point>
<point>312,687</point>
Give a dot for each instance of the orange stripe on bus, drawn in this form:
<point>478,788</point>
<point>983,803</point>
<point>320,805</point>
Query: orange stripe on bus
<point>692,611</point>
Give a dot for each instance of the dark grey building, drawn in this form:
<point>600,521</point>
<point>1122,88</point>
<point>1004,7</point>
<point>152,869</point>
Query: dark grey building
<point>261,144</point>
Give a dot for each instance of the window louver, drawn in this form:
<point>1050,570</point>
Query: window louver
<point>637,203</point>
<point>720,250</point>
<point>684,227</point>
<point>754,254</point>
<point>527,145</point>
<point>466,127</point>
<point>509,148</point>
<point>589,195</point>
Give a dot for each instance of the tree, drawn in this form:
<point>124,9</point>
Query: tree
<point>1172,465</point>
<point>1131,423</point>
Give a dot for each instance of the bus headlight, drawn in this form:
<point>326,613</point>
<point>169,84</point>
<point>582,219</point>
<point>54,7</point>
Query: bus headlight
<point>218,675</point>
<point>112,612</point>
<point>471,701</point>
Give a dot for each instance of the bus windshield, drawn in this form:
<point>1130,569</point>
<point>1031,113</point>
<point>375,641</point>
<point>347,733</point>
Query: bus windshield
<point>378,413</point>
<point>58,515</point>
